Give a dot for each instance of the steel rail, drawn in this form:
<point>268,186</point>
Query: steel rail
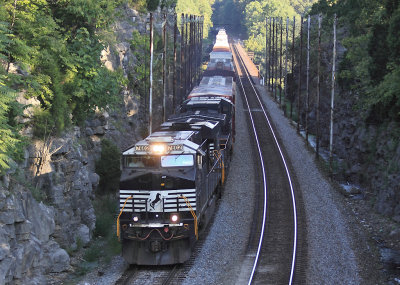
<point>287,174</point>
<point>264,178</point>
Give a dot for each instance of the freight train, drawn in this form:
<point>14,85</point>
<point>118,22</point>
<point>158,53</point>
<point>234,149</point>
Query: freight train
<point>171,179</point>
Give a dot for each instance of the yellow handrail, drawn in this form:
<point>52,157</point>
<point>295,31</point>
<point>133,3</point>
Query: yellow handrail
<point>222,165</point>
<point>120,213</point>
<point>193,214</point>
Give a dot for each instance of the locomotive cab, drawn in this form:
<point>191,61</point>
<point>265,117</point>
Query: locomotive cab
<point>166,182</point>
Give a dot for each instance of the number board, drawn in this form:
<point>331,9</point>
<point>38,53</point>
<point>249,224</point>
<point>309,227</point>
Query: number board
<point>175,147</point>
<point>142,148</point>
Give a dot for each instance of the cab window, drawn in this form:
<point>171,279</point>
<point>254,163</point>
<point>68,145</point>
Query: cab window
<point>141,161</point>
<point>177,160</point>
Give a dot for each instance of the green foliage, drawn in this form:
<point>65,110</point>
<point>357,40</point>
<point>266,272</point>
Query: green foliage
<point>247,18</point>
<point>57,43</point>
<point>199,8</point>
<point>371,66</point>
<point>139,5</point>
<point>106,209</point>
<point>9,137</point>
<point>152,4</point>
<point>108,167</point>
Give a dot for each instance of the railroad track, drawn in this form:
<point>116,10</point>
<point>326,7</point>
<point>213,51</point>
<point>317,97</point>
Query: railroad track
<point>158,275</point>
<point>165,274</point>
<point>272,250</point>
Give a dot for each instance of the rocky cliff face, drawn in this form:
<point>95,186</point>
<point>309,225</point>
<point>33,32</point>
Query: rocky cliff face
<point>366,154</point>
<point>46,201</point>
<point>370,156</point>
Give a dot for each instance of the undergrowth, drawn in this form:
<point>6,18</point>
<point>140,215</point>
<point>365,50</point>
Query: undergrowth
<point>105,244</point>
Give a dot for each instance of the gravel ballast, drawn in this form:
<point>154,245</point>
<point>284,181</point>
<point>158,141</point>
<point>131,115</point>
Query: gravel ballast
<point>219,261</point>
<point>331,257</point>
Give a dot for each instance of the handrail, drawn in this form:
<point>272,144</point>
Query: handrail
<point>120,213</point>
<point>193,214</point>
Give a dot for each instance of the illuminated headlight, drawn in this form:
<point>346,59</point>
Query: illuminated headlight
<point>158,148</point>
<point>135,219</point>
<point>174,218</point>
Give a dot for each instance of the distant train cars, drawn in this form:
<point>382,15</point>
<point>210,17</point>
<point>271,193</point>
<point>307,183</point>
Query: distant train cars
<point>221,60</point>
<point>171,180</point>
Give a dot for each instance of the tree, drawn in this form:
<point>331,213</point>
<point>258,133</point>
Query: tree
<point>108,167</point>
<point>152,4</point>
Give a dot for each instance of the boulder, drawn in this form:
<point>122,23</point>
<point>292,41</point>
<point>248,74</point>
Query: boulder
<point>7,218</point>
<point>26,254</point>
<point>60,261</point>
<point>4,250</point>
<point>83,234</point>
<point>94,179</point>
<point>41,217</point>
<point>60,146</point>
<point>99,131</point>
<point>7,270</point>
<point>89,132</point>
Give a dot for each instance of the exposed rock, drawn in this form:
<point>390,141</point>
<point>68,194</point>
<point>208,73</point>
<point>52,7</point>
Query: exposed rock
<point>42,218</point>
<point>23,230</point>
<point>60,146</point>
<point>390,257</point>
<point>94,179</point>
<point>7,269</point>
<point>351,189</point>
<point>7,218</point>
<point>4,250</point>
<point>99,131</point>
<point>83,234</point>
<point>26,254</point>
<point>89,132</point>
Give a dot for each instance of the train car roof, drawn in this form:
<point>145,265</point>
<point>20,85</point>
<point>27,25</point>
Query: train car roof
<point>221,48</point>
<point>220,55</point>
<point>206,101</point>
<point>198,118</point>
<point>217,81</point>
<point>211,91</point>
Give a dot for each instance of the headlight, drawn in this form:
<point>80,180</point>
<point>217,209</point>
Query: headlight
<point>158,148</point>
<point>174,218</point>
<point>135,219</point>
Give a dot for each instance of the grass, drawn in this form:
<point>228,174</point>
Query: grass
<point>105,244</point>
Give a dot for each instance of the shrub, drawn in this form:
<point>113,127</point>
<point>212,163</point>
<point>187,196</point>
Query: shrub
<point>108,167</point>
<point>152,4</point>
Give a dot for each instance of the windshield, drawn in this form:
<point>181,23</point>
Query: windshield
<point>177,160</point>
<point>139,161</point>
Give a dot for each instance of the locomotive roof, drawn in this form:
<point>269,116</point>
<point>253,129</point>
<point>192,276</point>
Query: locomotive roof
<point>181,135</point>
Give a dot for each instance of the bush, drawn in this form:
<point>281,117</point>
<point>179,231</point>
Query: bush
<point>108,167</point>
<point>152,4</point>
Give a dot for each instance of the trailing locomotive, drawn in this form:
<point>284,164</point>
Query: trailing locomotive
<point>171,180</point>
